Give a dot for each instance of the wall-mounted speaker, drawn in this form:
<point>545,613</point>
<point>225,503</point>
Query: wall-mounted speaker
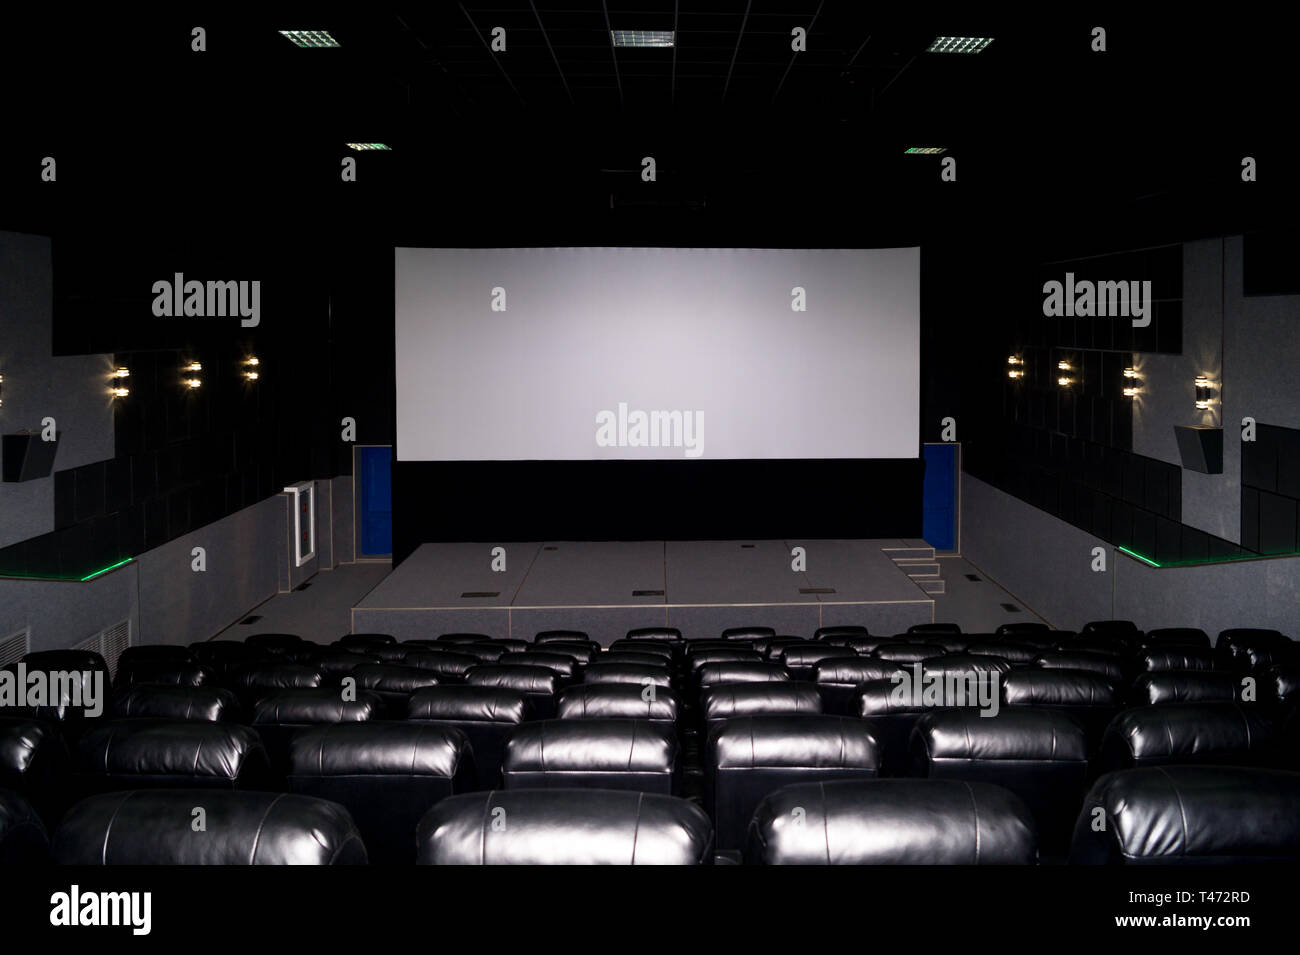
<point>1200,447</point>
<point>25,457</point>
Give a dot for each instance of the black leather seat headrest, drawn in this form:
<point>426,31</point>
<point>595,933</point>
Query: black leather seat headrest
<point>1159,659</point>
<point>617,701</point>
<point>620,655</point>
<point>311,706</point>
<point>453,666</point>
<point>907,652</point>
<point>770,742</point>
<point>525,679</point>
<point>1016,653</point>
<point>155,653</point>
<point>1165,638</point>
<point>1190,815</point>
<point>854,670</point>
<point>598,746</point>
<point>663,649</point>
<point>378,748</point>
<point>162,673</point>
<point>665,634</point>
<point>837,635</point>
<point>273,676</point>
<point>468,704</point>
<point>810,654</point>
<point>390,678</point>
<point>153,827</point>
<point>747,633</point>
<point>454,638</point>
<point>617,671</point>
<point>565,827</point>
<point>1107,666</point>
<point>1184,686</point>
<point>562,664</point>
<point>1187,733</point>
<point>563,636</point>
<point>893,822</point>
<point>728,700</point>
<point>275,642</point>
<point>715,674</point>
<point>962,734</point>
<point>187,751</point>
<point>208,703</point>
<point>23,840</point>
<point>1057,688</point>
<point>363,640</point>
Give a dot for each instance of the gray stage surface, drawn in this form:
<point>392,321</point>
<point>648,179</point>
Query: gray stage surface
<point>607,588</point>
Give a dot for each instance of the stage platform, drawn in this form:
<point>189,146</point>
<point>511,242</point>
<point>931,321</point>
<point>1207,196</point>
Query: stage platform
<point>607,588</point>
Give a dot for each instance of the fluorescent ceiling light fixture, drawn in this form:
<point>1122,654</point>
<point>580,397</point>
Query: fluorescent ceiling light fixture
<point>643,37</point>
<point>362,147</point>
<point>924,150</point>
<point>310,39</point>
<point>959,44</point>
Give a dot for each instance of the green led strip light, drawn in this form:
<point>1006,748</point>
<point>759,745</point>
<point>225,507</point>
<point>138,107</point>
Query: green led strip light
<point>1198,563</point>
<point>76,580</point>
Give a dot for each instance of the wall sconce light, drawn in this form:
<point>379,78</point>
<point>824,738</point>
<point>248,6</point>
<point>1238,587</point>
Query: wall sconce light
<point>2,391</point>
<point>119,392</point>
<point>1132,389</point>
<point>1063,365</point>
<point>1015,367</point>
<point>1204,391</point>
<point>1065,381</point>
<point>250,375</point>
<point>250,368</point>
<point>192,366</point>
<point>192,383</point>
<point>121,373</point>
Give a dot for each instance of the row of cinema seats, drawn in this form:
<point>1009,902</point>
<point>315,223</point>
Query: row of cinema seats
<point>388,730</point>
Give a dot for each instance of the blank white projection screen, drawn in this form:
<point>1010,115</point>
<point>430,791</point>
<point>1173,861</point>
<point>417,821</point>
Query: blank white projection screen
<point>624,353</point>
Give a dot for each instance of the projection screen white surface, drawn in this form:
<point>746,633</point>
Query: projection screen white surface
<point>590,337</point>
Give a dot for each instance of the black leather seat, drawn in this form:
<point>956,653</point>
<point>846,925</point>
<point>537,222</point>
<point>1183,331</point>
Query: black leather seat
<point>1189,815</point>
<point>947,642</point>
<point>280,643</point>
<point>749,757</point>
<point>1028,627</point>
<point>864,646</point>
<point>279,716</point>
<point>1168,638</point>
<point>891,710</point>
<point>455,638</point>
<point>23,840</point>
<point>747,633</point>
<point>507,644</point>
<point>34,764</point>
<point>801,659</point>
<point>1247,648</point>
<point>156,827</point>
<point>221,656</point>
<point>837,635</point>
<point>1096,646</point>
<point>152,753</point>
<point>1184,686</point>
<point>563,636</point>
<point>1186,733</point>
<point>1160,659</point>
<point>390,652</point>
<point>1109,667</point>
<point>1280,688</point>
<point>1125,630</point>
<point>564,827</point>
<point>729,700</point>
<point>364,641</point>
<point>718,674</point>
<point>592,754</point>
<point>479,652</point>
<point>659,634</point>
<point>1089,698</point>
<point>253,681</point>
<point>934,628</point>
<point>155,653</point>
<point>617,671</point>
<point>1016,653</point>
<point>907,652</point>
<point>539,684</point>
<point>450,667</point>
<point>580,653</point>
<point>334,665</point>
<point>773,647</point>
<point>838,681</point>
<point>393,685</point>
<point>701,658</point>
<point>623,701</point>
<point>1040,755</point>
<point>892,822</point>
<point>623,655</point>
<point>161,673</point>
<point>208,703</point>
<point>486,715</point>
<point>386,774</point>
<point>563,665</point>
<point>662,649</point>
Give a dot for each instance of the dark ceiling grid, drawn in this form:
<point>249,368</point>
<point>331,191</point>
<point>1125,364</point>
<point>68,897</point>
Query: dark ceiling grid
<point>487,46</point>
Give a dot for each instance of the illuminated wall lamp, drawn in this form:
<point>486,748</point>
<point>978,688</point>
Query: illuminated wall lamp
<point>2,391</point>
<point>119,392</point>
<point>1065,381</point>
<point>1203,390</point>
<point>193,366</point>
<point>1063,365</point>
<point>1017,367</point>
<point>250,375</point>
<point>1131,390</point>
<point>192,383</point>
